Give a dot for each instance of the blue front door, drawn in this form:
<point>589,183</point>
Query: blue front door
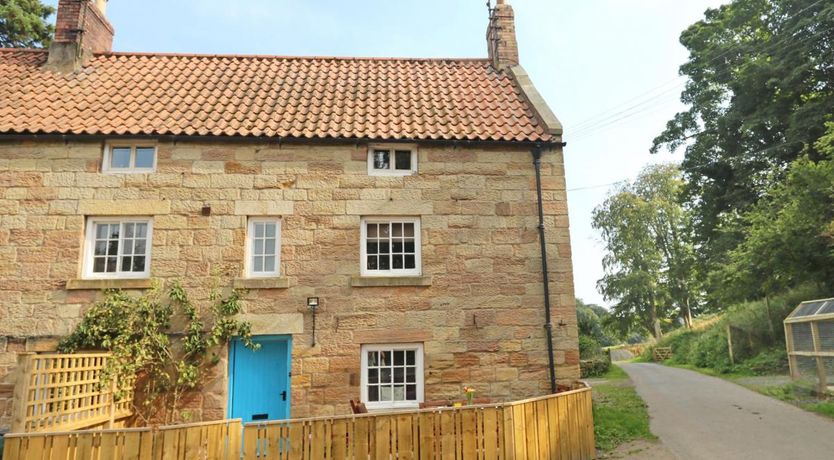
<point>259,381</point>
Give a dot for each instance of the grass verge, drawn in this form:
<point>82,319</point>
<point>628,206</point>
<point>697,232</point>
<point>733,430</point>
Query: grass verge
<point>800,394</point>
<point>620,414</point>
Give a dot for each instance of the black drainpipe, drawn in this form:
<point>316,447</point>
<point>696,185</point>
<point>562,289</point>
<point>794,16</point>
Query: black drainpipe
<point>548,325</point>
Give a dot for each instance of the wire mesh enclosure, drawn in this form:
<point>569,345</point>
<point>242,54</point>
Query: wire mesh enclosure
<point>809,336</point>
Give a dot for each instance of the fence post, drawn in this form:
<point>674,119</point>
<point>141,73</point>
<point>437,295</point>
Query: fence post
<point>821,372</point>
<point>792,365</point>
<point>112,401</point>
<point>23,381</point>
<point>730,343</point>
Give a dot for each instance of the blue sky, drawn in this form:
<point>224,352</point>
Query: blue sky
<point>593,61</point>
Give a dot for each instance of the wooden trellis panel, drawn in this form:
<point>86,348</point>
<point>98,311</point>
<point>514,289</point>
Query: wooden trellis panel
<point>56,392</point>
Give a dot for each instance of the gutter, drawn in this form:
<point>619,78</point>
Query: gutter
<point>273,140</point>
<point>548,324</point>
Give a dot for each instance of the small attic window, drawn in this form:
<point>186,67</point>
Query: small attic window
<point>392,160</point>
<point>129,157</point>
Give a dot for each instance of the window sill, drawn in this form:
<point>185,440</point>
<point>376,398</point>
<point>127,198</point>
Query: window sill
<point>83,284</point>
<point>385,409</point>
<point>389,281</point>
<point>404,173</point>
<point>261,283</point>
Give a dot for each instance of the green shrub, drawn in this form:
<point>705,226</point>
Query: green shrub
<point>171,357</point>
<point>768,362</point>
<point>588,347</point>
<point>594,367</point>
<point>710,351</point>
<point>758,341</point>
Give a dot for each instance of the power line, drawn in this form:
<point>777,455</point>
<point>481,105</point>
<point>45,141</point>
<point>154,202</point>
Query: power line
<point>589,187</point>
<point>596,126</point>
<point>595,122</point>
<point>689,169</point>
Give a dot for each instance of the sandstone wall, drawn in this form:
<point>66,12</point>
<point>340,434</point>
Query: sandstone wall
<point>480,319</point>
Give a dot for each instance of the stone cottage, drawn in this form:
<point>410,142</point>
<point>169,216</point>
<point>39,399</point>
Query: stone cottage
<point>383,213</point>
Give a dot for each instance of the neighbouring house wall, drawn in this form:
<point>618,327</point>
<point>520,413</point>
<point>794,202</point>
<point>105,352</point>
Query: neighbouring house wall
<point>481,320</point>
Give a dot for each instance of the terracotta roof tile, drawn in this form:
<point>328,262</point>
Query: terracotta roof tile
<point>316,97</point>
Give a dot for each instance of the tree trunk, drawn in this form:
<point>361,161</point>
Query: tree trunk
<point>687,313</point>
<point>658,333</point>
<point>769,320</point>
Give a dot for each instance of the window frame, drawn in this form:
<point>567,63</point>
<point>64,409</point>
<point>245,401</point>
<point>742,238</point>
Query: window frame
<point>419,373</point>
<point>392,171</point>
<point>250,233</point>
<point>108,154</point>
<point>363,249</point>
<point>90,240</point>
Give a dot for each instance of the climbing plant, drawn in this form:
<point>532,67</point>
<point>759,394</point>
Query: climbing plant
<point>161,341</point>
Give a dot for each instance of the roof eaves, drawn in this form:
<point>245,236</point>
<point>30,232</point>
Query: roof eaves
<point>13,135</point>
<point>548,119</point>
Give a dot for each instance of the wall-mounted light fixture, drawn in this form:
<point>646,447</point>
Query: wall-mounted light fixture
<point>313,305</point>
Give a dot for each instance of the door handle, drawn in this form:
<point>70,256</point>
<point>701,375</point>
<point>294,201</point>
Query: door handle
<point>284,395</point>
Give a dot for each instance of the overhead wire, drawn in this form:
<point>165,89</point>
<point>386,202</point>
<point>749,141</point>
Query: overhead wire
<point>604,119</point>
<point>583,133</point>
<point>689,169</point>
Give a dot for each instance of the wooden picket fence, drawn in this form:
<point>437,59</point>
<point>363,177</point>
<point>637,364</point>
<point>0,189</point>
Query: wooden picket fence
<point>557,426</point>
<point>554,427</point>
<point>209,440</point>
<point>59,392</point>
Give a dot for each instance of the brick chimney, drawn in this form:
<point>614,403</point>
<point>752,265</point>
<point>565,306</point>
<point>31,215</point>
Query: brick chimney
<point>81,29</point>
<point>503,48</point>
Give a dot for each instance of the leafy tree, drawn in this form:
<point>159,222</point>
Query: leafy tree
<point>649,261</point>
<point>760,85</point>
<point>592,321</point>
<point>138,331</point>
<point>788,233</point>
<point>23,24</point>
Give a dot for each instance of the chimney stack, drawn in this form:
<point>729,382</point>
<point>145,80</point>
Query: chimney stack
<point>501,43</point>
<point>81,29</point>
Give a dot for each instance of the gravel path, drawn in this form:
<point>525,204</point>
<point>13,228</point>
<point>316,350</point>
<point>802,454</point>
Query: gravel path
<point>702,417</point>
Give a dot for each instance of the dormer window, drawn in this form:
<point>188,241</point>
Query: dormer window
<point>129,157</point>
<point>393,160</point>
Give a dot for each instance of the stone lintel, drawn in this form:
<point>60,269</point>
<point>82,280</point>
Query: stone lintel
<point>392,335</point>
<point>389,208</point>
<point>274,323</point>
<point>124,207</point>
<point>263,208</point>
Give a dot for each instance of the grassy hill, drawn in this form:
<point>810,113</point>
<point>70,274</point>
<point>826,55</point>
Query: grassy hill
<point>757,335</point>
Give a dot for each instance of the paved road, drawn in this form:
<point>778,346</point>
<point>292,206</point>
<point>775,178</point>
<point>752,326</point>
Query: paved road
<point>701,417</point>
